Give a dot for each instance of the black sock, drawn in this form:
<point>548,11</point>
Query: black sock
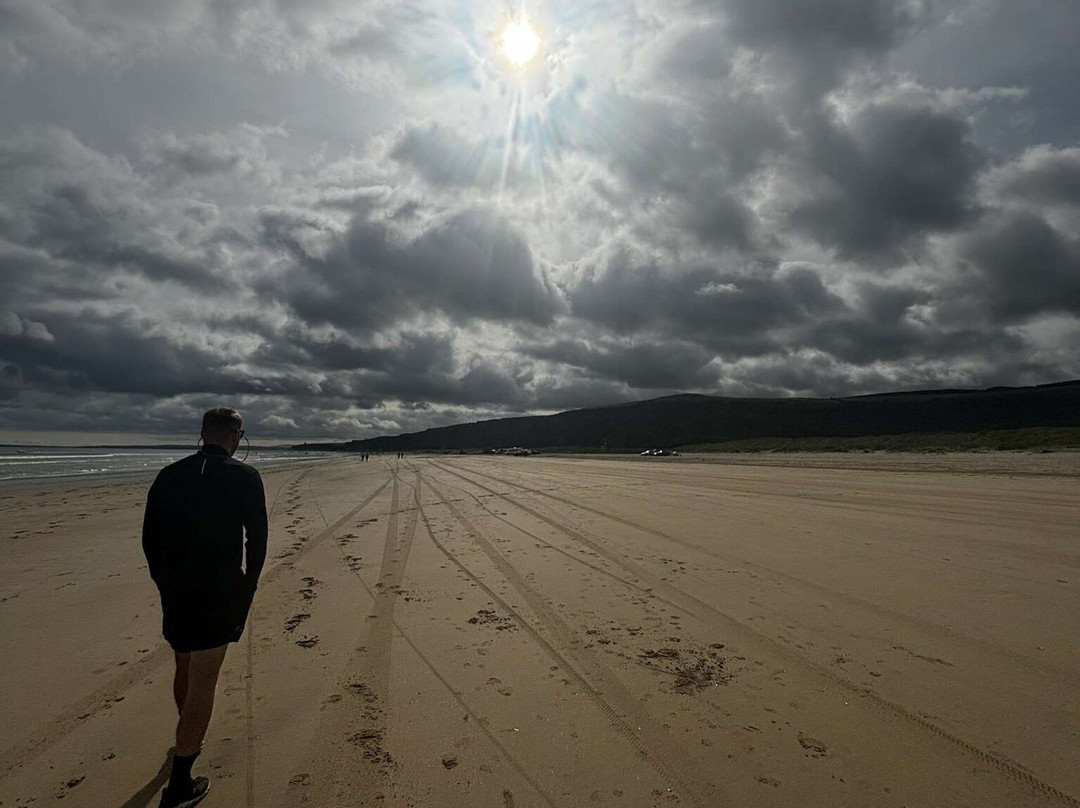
<point>181,772</point>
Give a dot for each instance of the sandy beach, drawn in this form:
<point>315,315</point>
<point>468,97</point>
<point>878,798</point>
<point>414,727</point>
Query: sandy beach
<point>869,630</point>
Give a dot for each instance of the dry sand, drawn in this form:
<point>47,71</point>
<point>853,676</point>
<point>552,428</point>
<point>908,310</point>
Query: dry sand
<point>503,632</point>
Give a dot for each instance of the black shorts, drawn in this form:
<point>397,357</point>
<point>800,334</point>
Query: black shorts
<point>196,621</point>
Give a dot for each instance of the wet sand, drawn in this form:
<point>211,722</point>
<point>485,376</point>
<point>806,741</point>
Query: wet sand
<point>478,631</point>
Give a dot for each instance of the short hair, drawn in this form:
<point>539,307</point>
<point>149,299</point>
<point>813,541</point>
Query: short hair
<point>221,419</point>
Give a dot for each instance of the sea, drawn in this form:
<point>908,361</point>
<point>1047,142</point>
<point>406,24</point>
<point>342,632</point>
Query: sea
<point>56,462</point>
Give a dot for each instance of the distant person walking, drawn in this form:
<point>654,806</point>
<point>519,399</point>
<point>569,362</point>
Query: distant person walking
<point>198,512</point>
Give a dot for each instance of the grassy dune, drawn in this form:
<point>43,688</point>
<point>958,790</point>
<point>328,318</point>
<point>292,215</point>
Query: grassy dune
<point>1030,439</point>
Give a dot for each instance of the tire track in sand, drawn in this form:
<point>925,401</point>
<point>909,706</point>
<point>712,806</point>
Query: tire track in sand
<point>478,720</point>
<point>706,493</point>
<point>769,644</point>
<point>351,761</point>
<point>1062,676</point>
<point>382,598</point>
<point>647,737</point>
<point>356,763</point>
<point>632,585</point>
<point>395,557</point>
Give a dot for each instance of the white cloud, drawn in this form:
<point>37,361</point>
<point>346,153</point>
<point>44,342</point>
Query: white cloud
<point>12,325</point>
<point>713,288</point>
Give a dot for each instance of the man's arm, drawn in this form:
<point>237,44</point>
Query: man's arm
<point>152,537</point>
<point>255,533</point>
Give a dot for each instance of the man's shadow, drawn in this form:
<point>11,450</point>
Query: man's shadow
<point>142,797</point>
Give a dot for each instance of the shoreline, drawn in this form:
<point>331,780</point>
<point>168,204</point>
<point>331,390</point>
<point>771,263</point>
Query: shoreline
<point>130,475</point>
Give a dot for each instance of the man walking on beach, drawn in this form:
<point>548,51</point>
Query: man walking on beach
<point>198,512</point>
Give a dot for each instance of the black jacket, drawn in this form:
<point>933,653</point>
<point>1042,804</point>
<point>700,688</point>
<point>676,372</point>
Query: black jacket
<point>197,513</point>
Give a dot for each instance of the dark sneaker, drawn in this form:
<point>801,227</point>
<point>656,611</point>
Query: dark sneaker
<point>190,796</point>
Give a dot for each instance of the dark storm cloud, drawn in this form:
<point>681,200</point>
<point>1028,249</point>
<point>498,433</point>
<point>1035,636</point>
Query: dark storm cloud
<point>687,165</point>
<point>577,392</point>
<point>90,354</point>
<point>865,183</point>
<point>876,327</point>
<point>841,25</point>
<point>665,365</point>
<point>820,375</point>
<point>410,353</point>
<point>896,173</point>
<point>689,54</point>
<point>11,382</point>
<point>863,341</point>
<point>703,304</point>
<point>28,277</point>
<point>884,325</point>
<point>1044,176</point>
<point>812,42</point>
<point>86,215</point>
<point>1005,43</point>
<point>1025,267</point>
<point>719,219</point>
<point>469,265</point>
<point>745,134</point>
<point>483,383</point>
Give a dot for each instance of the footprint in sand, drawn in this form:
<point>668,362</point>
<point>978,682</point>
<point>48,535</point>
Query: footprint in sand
<point>308,642</point>
<point>500,688</point>
<point>308,592</point>
<point>813,746</point>
<point>62,791</point>
<point>294,621</point>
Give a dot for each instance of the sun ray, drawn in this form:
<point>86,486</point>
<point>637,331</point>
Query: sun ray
<point>508,148</point>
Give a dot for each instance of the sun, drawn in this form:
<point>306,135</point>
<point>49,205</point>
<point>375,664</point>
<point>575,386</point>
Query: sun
<point>520,42</point>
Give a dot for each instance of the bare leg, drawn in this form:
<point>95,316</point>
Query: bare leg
<point>203,669</point>
<point>180,680</point>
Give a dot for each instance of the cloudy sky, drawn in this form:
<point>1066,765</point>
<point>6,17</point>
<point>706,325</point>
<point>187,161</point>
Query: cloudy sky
<point>359,217</point>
